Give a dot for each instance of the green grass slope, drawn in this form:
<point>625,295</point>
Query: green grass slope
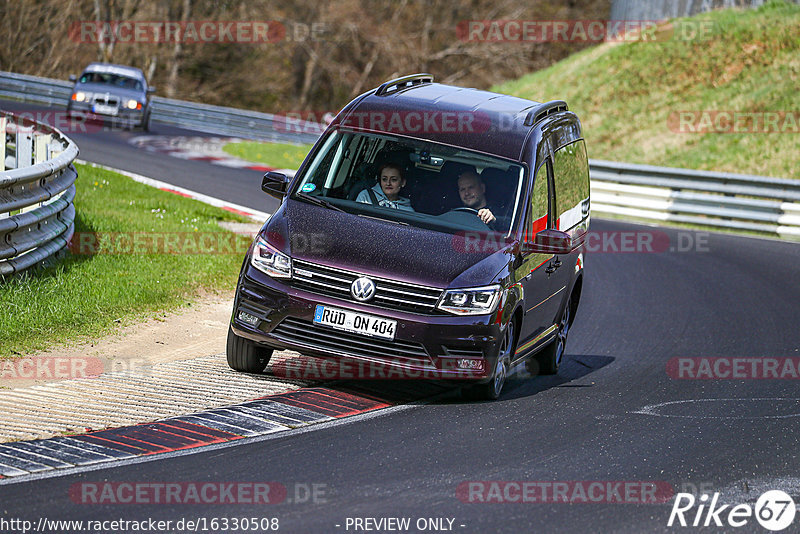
<point>628,95</point>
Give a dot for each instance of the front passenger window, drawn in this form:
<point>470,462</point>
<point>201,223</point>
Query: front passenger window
<point>537,221</point>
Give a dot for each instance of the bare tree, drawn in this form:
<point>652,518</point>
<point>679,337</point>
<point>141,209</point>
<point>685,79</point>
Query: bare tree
<point>362,44</point>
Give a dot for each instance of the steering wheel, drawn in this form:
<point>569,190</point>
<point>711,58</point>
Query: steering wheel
<point>464,208</point>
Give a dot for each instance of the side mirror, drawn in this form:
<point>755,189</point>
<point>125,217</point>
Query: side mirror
<point>275,184</point>
<point>550,242</point>
<point>73,78</point>
<point>151,90</point>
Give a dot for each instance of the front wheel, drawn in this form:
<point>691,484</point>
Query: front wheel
<point>492,389</point>
<point>245,355</point>
<point>146,121</point>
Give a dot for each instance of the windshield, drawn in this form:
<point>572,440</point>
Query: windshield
<point>414,182</point>
<point>115,80</point>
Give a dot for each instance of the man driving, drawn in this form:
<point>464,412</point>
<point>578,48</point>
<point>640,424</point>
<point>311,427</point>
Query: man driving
<point>472,191</point>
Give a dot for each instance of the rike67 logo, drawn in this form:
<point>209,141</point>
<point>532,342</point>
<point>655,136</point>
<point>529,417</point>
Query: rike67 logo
<point>774,510</point>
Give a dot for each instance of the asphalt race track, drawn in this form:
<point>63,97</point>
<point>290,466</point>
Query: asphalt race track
<point>620,409</point>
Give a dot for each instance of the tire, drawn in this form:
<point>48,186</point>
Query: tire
<point>492,389</point>
<point>245,355</point>
<point>550,358</point>
<point>146,122</point>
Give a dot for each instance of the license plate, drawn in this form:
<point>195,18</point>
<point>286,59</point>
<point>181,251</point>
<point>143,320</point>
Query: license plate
<point>104,109</point>
<point>357,323</point>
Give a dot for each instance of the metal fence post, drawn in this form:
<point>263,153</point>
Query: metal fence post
<point>3,123</point>
<point>24,147</point>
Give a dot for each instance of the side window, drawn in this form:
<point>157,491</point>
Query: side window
<point>572,184</point>
<point>538,219</point>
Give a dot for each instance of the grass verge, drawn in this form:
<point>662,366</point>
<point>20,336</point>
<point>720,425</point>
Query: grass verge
<point>138,252</point>
<point>278,155</point>
<point>628,94</point>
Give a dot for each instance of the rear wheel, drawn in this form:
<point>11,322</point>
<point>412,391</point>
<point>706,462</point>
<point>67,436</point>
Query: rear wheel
<point>245,355</point>
<point>492,389</point>
<point>549,359</point>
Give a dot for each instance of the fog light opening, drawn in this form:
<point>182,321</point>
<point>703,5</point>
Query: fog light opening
<point>473,365</point>
<point>247,318</point>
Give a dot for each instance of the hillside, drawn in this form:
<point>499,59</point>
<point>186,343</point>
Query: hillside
<point>665,102</point>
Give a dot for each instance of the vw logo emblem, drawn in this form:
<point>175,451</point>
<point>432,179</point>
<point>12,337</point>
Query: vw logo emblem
<point>362,289</point>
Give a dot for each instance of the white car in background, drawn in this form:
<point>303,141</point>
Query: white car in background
<point>115,93</point>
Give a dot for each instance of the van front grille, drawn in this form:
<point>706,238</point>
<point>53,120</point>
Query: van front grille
<point>390,294</point>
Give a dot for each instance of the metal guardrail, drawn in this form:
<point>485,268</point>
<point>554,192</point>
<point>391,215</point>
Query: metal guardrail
<point>37,216</point>
<point>192,115</point>
<point>229,121</point>
<point>722,200</point>
<point>716,199</point>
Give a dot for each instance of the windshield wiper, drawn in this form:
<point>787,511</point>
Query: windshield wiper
<point>402,223</point>
<point>317,201</point>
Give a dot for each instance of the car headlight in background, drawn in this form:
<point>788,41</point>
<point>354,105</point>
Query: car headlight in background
<point>79,96</point>
<point>133,104</point>
<point>270,261</point>
<point>470,301</point>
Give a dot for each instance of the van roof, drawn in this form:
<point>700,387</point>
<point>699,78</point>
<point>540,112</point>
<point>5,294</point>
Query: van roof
<point>477,120</point>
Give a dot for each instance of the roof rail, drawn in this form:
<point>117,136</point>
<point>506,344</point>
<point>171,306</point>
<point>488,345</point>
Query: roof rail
<point>543,110</point>
<point>393,86</point>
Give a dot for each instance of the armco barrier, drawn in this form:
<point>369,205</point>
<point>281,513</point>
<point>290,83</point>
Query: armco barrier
<point>721,200</point>
<point>716,199</point>
<point>213,119</point>
<point>37,217</point>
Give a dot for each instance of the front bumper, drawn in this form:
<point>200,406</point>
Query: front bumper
<point>124,116</point>
<point>424,346</point>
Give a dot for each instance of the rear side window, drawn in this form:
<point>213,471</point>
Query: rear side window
<point>572,184</point>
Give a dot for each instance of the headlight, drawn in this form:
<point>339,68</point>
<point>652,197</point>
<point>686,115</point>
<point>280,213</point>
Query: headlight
<point>80,96</point>
<point>270,261</point>
<point>470,301</point>
<point>133,104</point>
